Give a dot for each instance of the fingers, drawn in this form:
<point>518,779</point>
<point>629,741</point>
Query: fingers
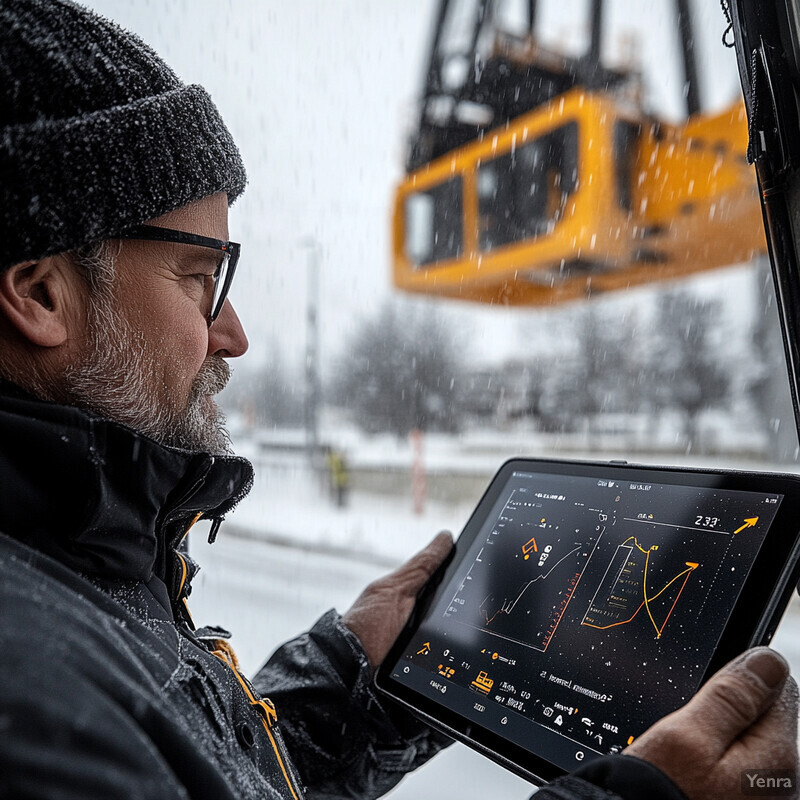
<point>413,575</point>
<point>737,696</point>
<point>380,611</point>
<point>744,716</point>
<point>777,728</point>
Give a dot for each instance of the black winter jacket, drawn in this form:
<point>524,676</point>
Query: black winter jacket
<point>106,688</point>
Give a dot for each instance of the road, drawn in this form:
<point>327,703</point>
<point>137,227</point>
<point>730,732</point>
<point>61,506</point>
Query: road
<point>266,593</point>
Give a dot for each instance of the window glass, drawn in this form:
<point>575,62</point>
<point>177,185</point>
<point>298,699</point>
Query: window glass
<point>434,224</point>
<point>374,415</point>
<point>522,194</point>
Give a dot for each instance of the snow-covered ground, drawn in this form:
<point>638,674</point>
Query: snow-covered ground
<point>292,506</point>
<point>288,554</point>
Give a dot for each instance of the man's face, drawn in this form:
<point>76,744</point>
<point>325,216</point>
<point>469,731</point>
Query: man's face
<point>149,359</point>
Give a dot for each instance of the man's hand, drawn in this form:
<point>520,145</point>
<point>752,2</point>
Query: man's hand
<point>743,719</point>
<point>382,609</point>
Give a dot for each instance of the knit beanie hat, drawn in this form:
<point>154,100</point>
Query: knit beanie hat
<point>97,133</point>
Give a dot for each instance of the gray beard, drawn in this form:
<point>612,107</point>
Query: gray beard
<point>118,379</point>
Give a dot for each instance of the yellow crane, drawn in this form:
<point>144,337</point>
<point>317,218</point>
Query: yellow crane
<point>542,180</point>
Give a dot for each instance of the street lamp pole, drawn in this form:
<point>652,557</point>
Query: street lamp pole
<point>312,398</point>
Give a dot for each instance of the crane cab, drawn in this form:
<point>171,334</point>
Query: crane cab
<point>573,198</point>
<point>539,178</point>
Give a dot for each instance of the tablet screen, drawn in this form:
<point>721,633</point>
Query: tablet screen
<point>586,608</point>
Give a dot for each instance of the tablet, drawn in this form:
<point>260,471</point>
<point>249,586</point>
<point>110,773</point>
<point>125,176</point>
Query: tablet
<point>585,601</point>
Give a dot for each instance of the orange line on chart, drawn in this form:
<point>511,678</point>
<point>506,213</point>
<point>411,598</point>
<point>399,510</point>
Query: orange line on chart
<point>570,593</point>
<point>636,542</point>
<point>692,566</point>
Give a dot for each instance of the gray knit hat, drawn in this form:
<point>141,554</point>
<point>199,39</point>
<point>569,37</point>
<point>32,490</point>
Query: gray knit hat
<point>97,133</point>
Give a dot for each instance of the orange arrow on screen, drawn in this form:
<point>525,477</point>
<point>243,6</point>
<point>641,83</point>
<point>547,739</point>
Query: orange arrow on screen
<point>748,523</point>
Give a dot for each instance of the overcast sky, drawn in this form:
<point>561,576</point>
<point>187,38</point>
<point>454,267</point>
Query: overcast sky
<point>320,96</point>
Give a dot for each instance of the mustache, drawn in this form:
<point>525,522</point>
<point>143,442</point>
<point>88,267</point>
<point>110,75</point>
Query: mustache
<point>212,377</point>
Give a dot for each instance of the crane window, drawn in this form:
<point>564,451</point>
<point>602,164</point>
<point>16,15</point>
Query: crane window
<point>522,194</point>
<point>626,135</point>
<point>434,223</point>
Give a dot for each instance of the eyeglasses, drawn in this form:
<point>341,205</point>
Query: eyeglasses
<point>223,275</point>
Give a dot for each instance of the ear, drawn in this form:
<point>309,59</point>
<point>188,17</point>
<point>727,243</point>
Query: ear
<point>34,299</point>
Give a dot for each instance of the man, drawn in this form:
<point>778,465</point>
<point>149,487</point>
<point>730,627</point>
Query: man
<point>115,328</point>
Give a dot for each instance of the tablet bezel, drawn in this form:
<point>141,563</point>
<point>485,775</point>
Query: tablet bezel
<point>753,619</point>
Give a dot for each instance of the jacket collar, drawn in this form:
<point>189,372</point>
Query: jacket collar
<point>100,497</point>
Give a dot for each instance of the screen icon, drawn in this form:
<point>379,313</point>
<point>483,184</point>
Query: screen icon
<point>483,683</point>
<point>528,547</point>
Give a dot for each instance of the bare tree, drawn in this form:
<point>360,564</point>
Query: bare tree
<point>768,384</point>
<point>603,374</point>
<point>270,394</point>
<point>399,371</point>
<point>687,371</point>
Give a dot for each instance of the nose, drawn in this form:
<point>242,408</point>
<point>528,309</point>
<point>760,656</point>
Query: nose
<point>226,336</point>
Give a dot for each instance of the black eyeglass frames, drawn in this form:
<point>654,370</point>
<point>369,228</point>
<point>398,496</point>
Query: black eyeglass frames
<point>223,275</point>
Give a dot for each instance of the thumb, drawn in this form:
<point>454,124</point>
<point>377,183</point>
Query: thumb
<point>736,696</point>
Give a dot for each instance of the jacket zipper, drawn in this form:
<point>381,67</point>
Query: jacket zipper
<point>266,709</point>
